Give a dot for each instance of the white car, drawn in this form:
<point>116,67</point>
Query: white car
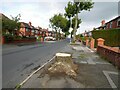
<point>50,39</point>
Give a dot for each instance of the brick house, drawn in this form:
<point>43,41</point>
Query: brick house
<point>112,24</point>
<point>28,30</point>
<point>25,29</point>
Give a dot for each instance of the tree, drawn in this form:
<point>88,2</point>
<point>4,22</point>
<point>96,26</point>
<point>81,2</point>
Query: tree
<point>69,11</point>
<point>79,7</point>
<point>16,21</point>
<point>73,22</point>
<point>17,18</point>
<point>73,25</point>
<point>75,9</point>
<point>10,25</point>
<point>59,22</point>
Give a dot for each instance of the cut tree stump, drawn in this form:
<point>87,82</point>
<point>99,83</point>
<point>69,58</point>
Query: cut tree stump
<point>63,64</point>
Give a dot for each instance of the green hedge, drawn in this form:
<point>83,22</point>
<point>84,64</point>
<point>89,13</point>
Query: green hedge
<point>8,38</point>
<point>111,37</point>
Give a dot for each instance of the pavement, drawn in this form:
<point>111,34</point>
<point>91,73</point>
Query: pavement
<point>93,72</point>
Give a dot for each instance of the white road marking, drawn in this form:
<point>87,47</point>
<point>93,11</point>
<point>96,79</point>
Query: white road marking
<point>106,73</point>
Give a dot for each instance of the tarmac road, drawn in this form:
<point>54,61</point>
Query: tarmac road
<point>19,62</point>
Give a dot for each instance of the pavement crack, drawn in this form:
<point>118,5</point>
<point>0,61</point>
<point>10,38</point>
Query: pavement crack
<point>36,67</point>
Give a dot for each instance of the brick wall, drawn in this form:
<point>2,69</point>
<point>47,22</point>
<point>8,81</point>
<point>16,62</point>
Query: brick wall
<point>24,41</point>
<point>114,25</point>
<point>110,53</point>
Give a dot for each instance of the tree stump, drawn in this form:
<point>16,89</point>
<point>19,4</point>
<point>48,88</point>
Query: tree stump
<point>63,64</point>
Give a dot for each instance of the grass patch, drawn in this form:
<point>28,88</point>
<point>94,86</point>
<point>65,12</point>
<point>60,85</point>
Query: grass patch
<point>18,87</point>
<point>82,56</point>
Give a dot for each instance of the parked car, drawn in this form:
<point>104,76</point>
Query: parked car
<point>50,39</point>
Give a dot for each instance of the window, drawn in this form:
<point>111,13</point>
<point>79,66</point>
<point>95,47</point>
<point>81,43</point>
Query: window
<point>110,24</point>
<point>27,29</point>
<point>118,22</point>
<point>32,31</point>
<point>36,31</point>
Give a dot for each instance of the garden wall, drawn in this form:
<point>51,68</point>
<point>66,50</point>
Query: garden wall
<point>110,53</point>
<point>23,40</point>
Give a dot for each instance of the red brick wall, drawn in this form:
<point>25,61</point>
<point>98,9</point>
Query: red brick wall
<point>108,26</point>
<point>111,54</point>
<point>24,41</point>
<point>114,25</point>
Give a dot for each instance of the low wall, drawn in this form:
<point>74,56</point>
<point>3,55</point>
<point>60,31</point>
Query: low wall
<point>24,41</point>
<point>110,53</point>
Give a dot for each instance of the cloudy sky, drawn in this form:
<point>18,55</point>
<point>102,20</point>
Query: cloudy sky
<point>39,12</point>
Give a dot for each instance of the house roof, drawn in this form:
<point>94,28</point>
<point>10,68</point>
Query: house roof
<point>108,22</point>
<point>45,30</point>
<point>34,28</point>
<point>25,25</point>
<point>3,16</point>
<point>113,19</point>
<point>100,27</point>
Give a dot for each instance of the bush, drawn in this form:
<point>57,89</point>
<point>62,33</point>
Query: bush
<point>17,37</point>
<point>8,37</point>
<point>111,37</point>
<point>31,37</point>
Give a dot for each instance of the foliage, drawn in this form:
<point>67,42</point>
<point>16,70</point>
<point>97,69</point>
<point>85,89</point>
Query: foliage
<point>112,37</point>
<point>69,10</point>
<point>84,5</point>
<point>17,18</point>
<point>8,38</point>
<point>77,7</point>
<point>39,37</point>
<point>59,22</point>
<point>66,34</point>
<point>73,22</point>
<point>10,25</point>
<point>17,37</point>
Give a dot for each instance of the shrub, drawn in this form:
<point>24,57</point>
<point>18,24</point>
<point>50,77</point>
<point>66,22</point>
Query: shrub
<point>17,37</point>
<point>8,37</point>
<point>111,37</point>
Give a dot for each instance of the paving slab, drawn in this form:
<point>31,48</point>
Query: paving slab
<point>89,74</point>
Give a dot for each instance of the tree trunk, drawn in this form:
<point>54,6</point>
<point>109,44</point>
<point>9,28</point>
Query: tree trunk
<point>59,35</point>
<point>56,34</point>
<point>75,28</point>
<point>63,65</point>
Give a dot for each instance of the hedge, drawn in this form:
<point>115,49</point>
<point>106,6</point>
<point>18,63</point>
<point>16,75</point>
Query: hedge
<point>111,37</point>
<point>10,38</point>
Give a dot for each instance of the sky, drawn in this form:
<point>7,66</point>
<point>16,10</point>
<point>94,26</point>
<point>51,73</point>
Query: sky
<point>39,12</point>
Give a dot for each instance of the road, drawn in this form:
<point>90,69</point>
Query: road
<point>19,62</point>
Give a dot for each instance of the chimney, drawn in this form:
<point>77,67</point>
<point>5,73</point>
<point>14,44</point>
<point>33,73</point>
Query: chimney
<point>103,23</point>
<point>30,24</point>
